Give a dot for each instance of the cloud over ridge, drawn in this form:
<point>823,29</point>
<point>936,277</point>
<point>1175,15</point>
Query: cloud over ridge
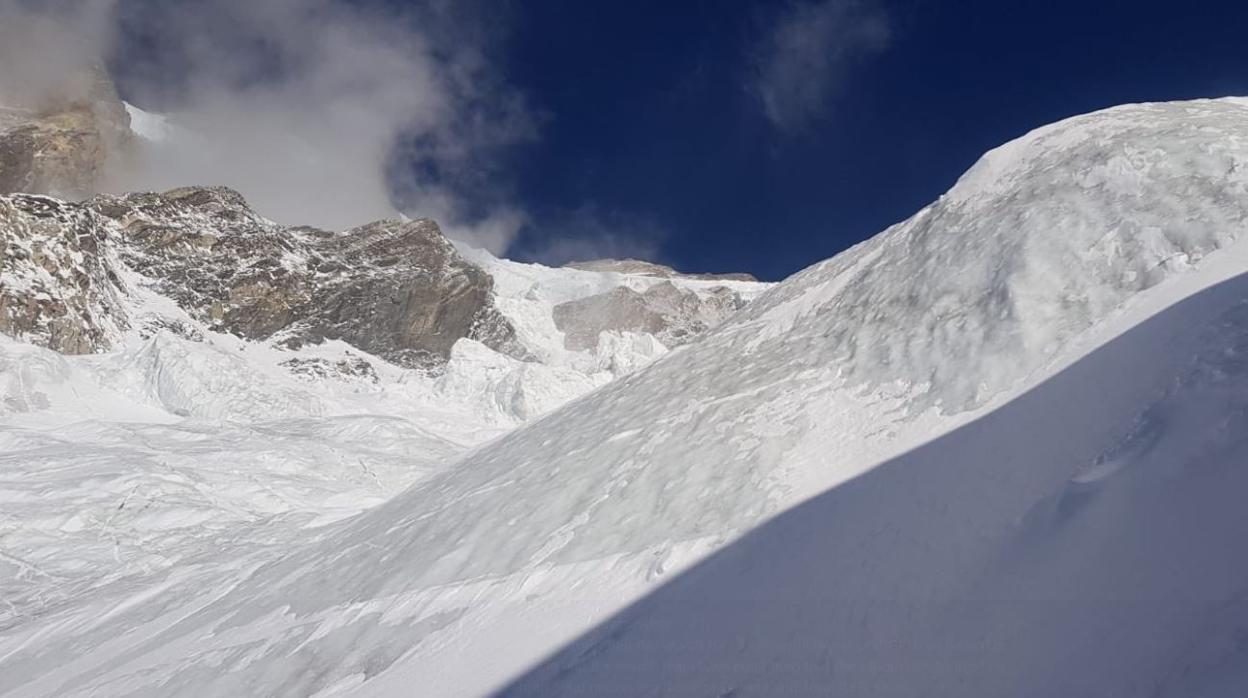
<point>321,112</point>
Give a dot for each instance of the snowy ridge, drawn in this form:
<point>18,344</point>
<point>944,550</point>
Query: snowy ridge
<point>195,441</point>
<point>1081,539</point>
<point>1039,241</point>
<point>995,296</point>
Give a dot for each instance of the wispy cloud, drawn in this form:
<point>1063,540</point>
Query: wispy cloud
<point>589,233</point>
<point>804,56</point>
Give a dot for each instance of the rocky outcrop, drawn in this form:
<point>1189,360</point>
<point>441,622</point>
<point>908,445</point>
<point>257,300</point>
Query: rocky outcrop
<point>673,315</point>
<point>67,142</point>
<point>396,289</point>
<point>637,267</point>
<point>399,290</point>
<point>58,286</point>
<point>348,368</point>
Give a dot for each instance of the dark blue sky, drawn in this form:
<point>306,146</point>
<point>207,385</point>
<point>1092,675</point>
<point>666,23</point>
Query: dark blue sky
<point>680,130</point>
<point>650,125</point>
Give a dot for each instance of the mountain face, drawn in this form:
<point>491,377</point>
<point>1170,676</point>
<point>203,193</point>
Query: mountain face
<point>397,290</point>
<point>394,289</point>
<point>996,450</point>
<point>58,284</point>
<point>239,381</point>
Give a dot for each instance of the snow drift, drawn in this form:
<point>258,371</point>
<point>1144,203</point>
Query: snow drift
<point>1051,452</point>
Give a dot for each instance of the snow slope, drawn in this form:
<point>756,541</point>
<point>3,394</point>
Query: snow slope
<point>189,443</point>
<point>1084,539</point>
<point>1012,340</point>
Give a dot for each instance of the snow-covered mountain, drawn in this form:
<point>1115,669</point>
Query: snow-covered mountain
<point>218,371</point>
<point>189,376</point>
<point>995,450</point>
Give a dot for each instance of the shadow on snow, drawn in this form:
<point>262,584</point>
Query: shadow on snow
<point>1086,539</point>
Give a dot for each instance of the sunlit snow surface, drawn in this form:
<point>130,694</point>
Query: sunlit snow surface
<point>118,466</point>
<point>1047,249</point>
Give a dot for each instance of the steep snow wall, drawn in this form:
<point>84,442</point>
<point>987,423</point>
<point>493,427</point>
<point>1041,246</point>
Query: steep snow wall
<point>1084,539</point>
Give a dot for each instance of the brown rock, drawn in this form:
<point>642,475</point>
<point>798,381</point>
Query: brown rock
<point>395,289</point>
<point>58,287</point>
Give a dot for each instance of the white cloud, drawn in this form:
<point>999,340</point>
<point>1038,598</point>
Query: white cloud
<point>302,105</point>
<point>804,56</point>
<point>316,110</point>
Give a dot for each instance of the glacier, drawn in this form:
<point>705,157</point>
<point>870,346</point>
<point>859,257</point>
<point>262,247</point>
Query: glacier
<point>994,450</point>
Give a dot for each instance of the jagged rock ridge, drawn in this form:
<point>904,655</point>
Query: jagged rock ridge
<point>395,289</point>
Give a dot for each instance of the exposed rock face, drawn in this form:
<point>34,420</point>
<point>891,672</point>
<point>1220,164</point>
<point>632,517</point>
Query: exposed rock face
<point>399,290</point>
<point>352,367</point>
<point>65,143</point>
<point>673,315</point>
<point>395,289</point>
<point>642,268</point>
<point>57,282</point>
